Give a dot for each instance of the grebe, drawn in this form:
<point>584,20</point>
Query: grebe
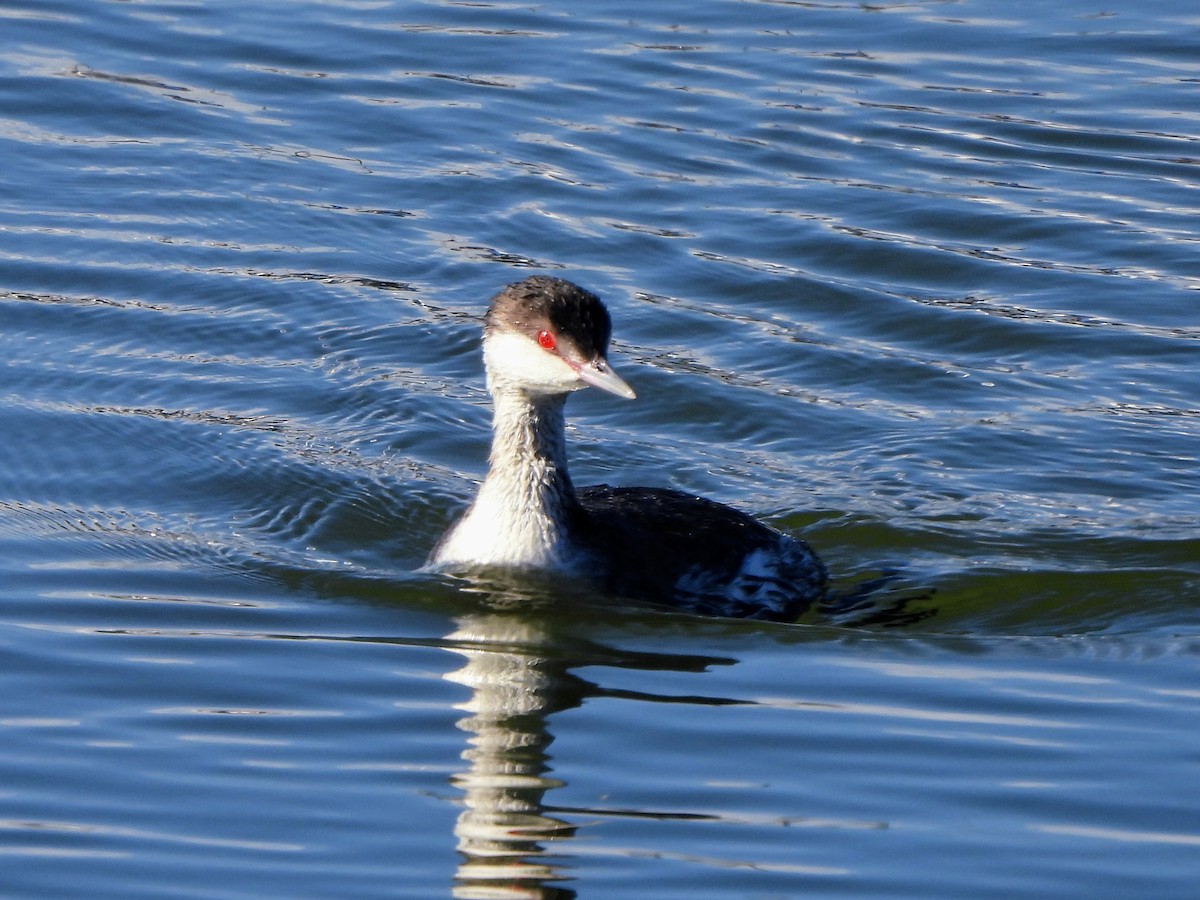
<point>544,338</point>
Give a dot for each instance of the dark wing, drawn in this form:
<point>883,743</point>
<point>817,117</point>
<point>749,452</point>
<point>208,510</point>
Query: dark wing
<point>672,548</point>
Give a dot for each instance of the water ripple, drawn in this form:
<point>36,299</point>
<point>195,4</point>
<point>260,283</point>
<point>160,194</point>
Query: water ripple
<point>913,280</point>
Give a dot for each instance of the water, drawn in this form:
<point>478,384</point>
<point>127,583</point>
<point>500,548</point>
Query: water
<point>916,282</point>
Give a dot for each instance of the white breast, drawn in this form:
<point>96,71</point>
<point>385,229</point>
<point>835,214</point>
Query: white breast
<point>498,531</point>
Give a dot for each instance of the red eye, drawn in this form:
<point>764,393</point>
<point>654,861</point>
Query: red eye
<point>545,340</point>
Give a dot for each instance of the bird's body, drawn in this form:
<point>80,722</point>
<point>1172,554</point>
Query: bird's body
<point>545,337</point>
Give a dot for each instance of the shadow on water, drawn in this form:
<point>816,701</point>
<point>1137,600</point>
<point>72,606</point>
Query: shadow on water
<point>882,600</point>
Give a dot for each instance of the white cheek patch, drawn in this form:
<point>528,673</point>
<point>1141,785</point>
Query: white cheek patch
<point>518,360</point>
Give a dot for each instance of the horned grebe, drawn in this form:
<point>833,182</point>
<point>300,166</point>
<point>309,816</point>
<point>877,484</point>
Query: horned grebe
<point>544,338</point>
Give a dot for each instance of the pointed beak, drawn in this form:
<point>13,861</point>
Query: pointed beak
<point>598,373</point>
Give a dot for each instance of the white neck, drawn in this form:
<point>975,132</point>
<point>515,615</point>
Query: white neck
<point>520,516</point>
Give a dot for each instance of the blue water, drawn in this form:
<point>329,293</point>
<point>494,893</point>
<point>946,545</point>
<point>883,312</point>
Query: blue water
<point>916,282</point>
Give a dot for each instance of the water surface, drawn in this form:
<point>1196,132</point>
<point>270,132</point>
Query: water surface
<point>916,282</point>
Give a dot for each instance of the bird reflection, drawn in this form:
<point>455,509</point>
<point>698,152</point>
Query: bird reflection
<point>502,828</point>
<point>518,671</point>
